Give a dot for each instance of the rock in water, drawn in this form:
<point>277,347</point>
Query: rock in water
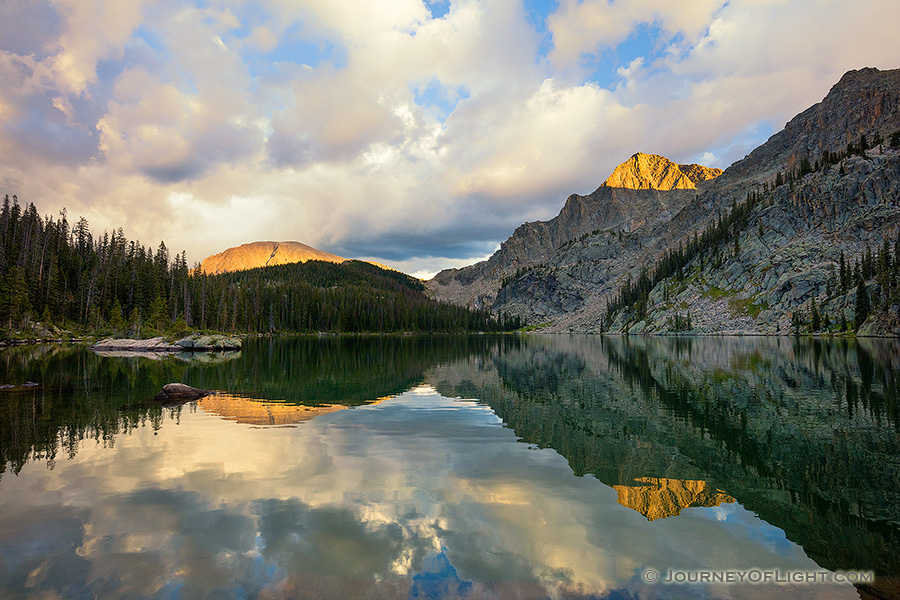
<point>180,392</point>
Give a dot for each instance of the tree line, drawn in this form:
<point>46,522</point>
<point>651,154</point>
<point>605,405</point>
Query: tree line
<point>55,275</point>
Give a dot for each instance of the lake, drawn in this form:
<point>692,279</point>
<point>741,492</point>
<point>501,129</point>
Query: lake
<point>455,467</point>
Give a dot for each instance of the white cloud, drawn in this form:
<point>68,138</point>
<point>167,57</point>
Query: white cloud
<point>263,38</point>
<point>96,30</point>
<point>589,26</point>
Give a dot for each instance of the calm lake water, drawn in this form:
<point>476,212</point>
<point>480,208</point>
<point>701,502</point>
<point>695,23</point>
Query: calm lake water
<point>454,467</point>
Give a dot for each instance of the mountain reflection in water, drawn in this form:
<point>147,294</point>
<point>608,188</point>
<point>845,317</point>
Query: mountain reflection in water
<point>459,481</point>
<point>252,411</point>
<point>659,497</point>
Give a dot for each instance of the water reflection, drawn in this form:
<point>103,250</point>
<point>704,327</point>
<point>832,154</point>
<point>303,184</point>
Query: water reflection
<point>703,454</point>
<point>660,497</point>
<point>85,395</point>
<point>802,433</point>
<point>251,411</point>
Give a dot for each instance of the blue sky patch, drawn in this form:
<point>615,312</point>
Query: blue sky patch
<point>294,47</point>
<point>647,41</point>
<point>536,11</point>
<point>438,8</point>
<point>439,99</point>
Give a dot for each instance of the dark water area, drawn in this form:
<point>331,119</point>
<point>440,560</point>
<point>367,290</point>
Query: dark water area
<point>455,467</point>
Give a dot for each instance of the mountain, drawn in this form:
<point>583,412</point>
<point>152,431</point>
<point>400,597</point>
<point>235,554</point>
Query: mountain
<point>263,254</point>
<point>655,172</point>
<point>752,249</point>
<point>645,190</point>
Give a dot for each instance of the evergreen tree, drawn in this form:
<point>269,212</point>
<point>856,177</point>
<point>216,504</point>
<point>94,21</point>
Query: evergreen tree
<point>844,276</point>
<point>862,304</point>
<point>117,319</point>
<point>815,318</point>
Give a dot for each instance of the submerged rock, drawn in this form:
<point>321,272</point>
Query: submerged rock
<point>180,392</point>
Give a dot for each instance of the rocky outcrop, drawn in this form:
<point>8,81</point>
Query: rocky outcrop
<point>264,254</point>
<point>194,343</point>
<point>208,343</point>
<point>156,344</point>
<point>655,172</point>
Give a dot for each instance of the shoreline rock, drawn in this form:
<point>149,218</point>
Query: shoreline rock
<point>194,343</point>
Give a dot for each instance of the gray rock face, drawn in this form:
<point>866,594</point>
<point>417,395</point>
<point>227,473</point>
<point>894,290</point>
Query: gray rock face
<point>611,210</point>
<point>564,271</point>
<point>208,343</point>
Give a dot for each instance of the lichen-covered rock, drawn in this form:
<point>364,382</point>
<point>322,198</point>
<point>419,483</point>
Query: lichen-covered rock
<point>156,344</point>
<point>200,343</point>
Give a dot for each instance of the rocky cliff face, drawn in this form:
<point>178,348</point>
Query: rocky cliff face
<point>563,272</point>
<point>263,254</point>
<point>645,190</point>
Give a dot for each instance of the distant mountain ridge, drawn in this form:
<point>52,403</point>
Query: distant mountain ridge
<point>264,254</point>
<point>828,183</point>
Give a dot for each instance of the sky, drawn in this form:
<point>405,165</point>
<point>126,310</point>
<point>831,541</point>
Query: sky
<point>418,133</point>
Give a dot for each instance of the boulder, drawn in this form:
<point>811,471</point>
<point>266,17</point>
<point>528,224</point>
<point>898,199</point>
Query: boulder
<point>156,344</point>
<point>179,392</point>
<point>199,343</point>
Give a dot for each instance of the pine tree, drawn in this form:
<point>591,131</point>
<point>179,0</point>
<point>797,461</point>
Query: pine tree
<point>862,304</point>
<point>844,278</point>
<point>117,319</point>
<point>795,322</point>
<point>815,317</point>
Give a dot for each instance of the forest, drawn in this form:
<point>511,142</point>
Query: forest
<point>55,276</point>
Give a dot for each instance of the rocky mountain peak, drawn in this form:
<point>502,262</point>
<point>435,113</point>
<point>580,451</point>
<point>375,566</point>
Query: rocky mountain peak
<point>655,172</point>
<point>263,254</point>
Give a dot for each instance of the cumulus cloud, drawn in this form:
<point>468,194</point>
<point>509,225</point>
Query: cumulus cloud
<point>589,26</point>
<point>386,132</point>
<point>95,30</point>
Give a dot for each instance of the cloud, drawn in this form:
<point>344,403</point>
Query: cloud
<point>384,131</point>
<point>590,26</point>
<point>95,30</point>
